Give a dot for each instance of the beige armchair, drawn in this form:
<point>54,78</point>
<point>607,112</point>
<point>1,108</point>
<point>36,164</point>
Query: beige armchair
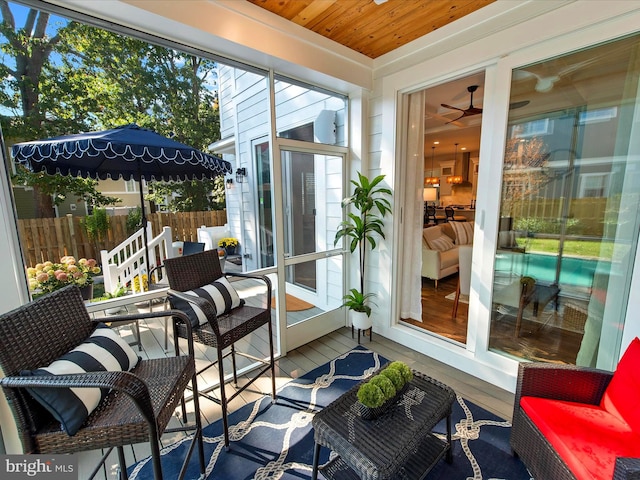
<point>439,252</point>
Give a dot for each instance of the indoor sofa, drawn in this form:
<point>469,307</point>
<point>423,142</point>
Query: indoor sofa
<point>440,248</point>
<point>577,422</point>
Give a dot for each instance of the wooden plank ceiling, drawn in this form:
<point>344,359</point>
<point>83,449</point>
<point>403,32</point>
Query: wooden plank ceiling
<point>369,28</point>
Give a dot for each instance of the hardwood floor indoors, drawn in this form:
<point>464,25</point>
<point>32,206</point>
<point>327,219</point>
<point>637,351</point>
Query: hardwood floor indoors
<point>537,341</point>
<point>437,309</point>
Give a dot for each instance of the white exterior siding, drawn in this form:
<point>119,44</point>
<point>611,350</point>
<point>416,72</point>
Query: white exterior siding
<point>226,89</point>
<point>379,261</point>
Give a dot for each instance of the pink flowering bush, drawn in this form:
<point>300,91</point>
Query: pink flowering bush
<point>48,276</point>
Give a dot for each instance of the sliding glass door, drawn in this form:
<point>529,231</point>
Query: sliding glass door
<point>569,209</point>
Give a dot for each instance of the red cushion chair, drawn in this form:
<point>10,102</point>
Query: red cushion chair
<point>579,423</point>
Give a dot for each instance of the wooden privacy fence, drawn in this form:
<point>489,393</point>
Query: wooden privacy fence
<point>45,239</point>
<point>589,214</point>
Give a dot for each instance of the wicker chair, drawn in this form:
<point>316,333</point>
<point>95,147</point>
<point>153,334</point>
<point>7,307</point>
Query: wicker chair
<point>560,382</point>
<point>221,332</point>
<point>574,318</point>
<point>137,407</point>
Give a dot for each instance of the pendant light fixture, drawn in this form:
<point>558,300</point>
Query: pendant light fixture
<point>455,179</point>
<point>432,181</point>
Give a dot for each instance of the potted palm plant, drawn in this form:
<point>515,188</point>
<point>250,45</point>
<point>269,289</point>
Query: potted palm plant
<point>360,229</point>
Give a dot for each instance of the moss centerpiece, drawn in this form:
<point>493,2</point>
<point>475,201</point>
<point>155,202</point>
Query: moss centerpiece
<point>383,390</point>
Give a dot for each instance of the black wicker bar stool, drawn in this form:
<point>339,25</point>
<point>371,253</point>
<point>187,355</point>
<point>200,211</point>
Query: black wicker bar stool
<point>219,318</point>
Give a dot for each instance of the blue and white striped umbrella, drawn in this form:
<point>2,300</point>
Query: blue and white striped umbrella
<point>128,152</point>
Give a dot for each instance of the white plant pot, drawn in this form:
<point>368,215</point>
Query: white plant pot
<point>360,320</point>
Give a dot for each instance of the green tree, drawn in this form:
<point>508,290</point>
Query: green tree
<point>113,80</point>
<point>27,50</point>
<point>101,80</point>
<point>125,80</point>
<point>96,225</point>
<point>193,196</point>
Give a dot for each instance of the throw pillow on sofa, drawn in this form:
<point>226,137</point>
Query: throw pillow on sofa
<point>464,232</point>
<point>441,243</point>
<point>221,294</point>
<point>621,397</point>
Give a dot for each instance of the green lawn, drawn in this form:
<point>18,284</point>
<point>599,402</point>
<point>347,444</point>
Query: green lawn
<point>574,248</point>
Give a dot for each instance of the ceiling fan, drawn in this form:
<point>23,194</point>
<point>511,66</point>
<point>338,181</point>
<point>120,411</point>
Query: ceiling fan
<point>476,110</point>
<point>466,112</point>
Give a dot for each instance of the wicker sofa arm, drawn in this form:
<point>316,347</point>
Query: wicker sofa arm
<point>627,469</point>
<point>561,382</point>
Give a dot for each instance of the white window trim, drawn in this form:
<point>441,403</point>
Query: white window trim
<point>583,182</point>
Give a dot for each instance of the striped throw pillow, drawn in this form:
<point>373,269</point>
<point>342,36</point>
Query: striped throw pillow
<point>441,243</point>
<point>464,232</point>
<point>104,350</point>
<point>219,293</point>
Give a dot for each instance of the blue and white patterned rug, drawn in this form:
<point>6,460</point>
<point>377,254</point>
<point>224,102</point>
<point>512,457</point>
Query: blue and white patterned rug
<point>275,441</point>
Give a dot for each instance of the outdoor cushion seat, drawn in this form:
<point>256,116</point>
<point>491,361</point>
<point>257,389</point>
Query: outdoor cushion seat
<point>586,437</point>
<point>581,423</point>
<point>211,235</point>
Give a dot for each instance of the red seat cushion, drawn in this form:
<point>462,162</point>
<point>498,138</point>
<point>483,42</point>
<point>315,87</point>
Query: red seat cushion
<point>622,396</point>
<point>587,437</point>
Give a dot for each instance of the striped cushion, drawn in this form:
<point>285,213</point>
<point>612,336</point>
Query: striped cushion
<point>441,243</point>
<point>220,294</point>
<point>104,350</point>
<point>464,232</point>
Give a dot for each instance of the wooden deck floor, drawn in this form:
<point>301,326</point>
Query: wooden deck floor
<point>295,364</point>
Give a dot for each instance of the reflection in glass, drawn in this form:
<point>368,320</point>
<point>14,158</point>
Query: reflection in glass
<point>310,192</point>
<point>265,212</point>
<point>569,208</point>
<point>324,110</point>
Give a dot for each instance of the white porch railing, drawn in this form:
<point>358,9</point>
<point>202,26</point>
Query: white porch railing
<point>127,261</point>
